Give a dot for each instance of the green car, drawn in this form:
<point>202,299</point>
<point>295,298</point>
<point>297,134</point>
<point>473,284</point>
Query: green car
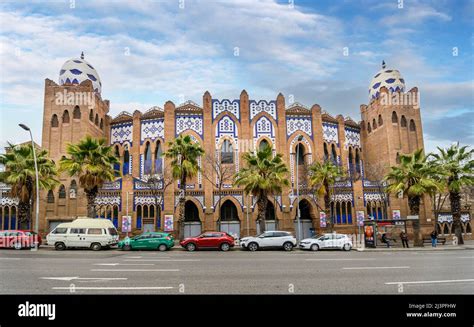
<point>148,241</point>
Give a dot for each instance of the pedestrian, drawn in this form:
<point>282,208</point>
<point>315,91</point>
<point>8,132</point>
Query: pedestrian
<point>404,238</point>
<point>385,239</point>
<point>434,238</point>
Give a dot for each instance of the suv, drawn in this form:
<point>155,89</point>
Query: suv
<point>327,241</point>
<point>210,240</point>
<point>270,239</point>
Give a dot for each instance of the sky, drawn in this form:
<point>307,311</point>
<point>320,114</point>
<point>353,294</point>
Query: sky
<point>317,52</point>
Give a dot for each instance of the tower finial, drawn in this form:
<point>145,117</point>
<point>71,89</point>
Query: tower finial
<point>383,64</point>
<point>82,55</point>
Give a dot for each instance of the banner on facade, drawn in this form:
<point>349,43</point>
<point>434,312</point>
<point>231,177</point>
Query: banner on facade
<point>360,218</point>
<point>126,224</point>
<point>168,223</point>
<point>322,219</point>
<point>396,214</point>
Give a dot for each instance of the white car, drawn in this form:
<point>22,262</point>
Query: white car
<point>270,239</point>
<point>327,241</point>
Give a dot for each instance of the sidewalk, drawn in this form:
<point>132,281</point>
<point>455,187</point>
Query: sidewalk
<point>468,245</point>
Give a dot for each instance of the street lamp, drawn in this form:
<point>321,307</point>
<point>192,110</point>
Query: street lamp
<point>26,128</point>
<point>298,212</point>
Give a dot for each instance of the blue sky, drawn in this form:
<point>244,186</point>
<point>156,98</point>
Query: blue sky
<point>179,53</point>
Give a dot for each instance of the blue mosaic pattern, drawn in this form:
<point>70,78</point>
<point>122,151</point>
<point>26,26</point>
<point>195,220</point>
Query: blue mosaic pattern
<point>152,129</point>
<point>189,122</point>
<point>257,107</point>
<point>121,133</point>
<point>330,133</point>
<point>303,124</point>
<point>224,105</point>
<point>352,137</point>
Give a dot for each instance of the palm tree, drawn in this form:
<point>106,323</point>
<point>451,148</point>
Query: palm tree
<point>92,161</point>
<point>413,178</point>
<point>184,154</point>
<point>457,170</point>
<point>20,175</point>
<point>322,178</point>
<point>264,175</point>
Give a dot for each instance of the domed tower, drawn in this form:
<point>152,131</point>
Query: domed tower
<point>391,126</point>
<point>73,108</point>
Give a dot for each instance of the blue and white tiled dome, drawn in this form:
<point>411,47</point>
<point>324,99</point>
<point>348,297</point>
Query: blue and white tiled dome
<point>77,70</point>
<point>390,78</point>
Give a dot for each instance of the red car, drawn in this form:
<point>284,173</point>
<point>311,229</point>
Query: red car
<point>209,240</point>
<point>19,239</point>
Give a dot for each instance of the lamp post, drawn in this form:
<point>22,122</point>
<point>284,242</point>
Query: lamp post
<point>26,128</point>
<point>298,212</point>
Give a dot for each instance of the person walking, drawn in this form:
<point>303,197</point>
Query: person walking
<point>434,238</point>
<point>404,238</point>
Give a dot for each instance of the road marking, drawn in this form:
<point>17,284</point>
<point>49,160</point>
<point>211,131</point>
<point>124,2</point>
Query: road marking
<point>124,264</point>
<point>356,268</point>
<point>136,270</point>
<point>364,259</point>
<point>162,260</point>
<point>133,257</point>
<point>84,278</point>
<point>11,258</point>
<point>433,281</point>
<point>115,288</point>
<point>465,257</point>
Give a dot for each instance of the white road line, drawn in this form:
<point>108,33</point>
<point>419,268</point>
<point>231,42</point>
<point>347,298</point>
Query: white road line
<point>361,259</point>
<point>133,257</point>
<point>84,278</point>
<point>465,258</point>
<point>360,268</point>
<point>433,281</point>
<point>114,288</point>
<point>162,260</point>
<point>136,270</point>
<point>124,264</point>
<point>11,258</point>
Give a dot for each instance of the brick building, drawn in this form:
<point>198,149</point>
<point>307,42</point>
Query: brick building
<point>390,125</point>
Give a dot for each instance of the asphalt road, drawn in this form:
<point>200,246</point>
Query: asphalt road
<point>236,272</point>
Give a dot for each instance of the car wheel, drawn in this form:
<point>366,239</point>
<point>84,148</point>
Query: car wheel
<point>96,246</point>
<point>225,247</point>
<point>162,247</point>
<point>60,246</point>
<point>288,246</point>
<point>190,247</point>
<point>314,247</point>
<point>17,245</point>
<point>253,246</point>
<point>347,247</point>
<point>127,247</point>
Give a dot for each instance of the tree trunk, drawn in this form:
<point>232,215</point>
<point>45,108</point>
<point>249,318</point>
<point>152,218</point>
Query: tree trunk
<point>455,199</point>
<point>262,210</point>
<point>414,204</point>
<point>327,206</point>
<point>182,202</point>
<point>24,214</point>
<point>91,196</point>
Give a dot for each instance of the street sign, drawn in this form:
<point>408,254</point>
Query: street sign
<point>360,218</point>
<point>126,224</point>
<point>396,214</point>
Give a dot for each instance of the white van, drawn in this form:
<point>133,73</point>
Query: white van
<point>93,233</point>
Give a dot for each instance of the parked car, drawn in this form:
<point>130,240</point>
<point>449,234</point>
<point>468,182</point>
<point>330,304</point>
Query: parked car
<point>269,239</point>
<point>93,233</point>
<point>210,240</point>
<point>327,241</point>
<point>19,239</point>
<point>148,241</point>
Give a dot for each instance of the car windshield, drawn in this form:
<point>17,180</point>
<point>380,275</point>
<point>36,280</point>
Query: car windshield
<point>318,236</point>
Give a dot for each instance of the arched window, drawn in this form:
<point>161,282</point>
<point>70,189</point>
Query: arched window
<point>228,211</point>
<point>126,161</point>
<point>326,153</point>
<point>369,129</point>
<point>227,153</point>
<point>117,164</point>
<point>76,114</point>
<point>403,122</point>
<point>394,118</point>
<point>73,189</point>
<point>270,213</point>
<point>300,153</point>
<point>351,160</point>
<point>54,121</point>
<point>305,209</point>
<point>263,144</point>
<point>374,124</point>
<point>91,115</point>
<point>158,159</point>
<point>147,164</point>
<point>62,192</point>
<point>138,222</point>
<point>357,161</point>
<point>380,120</point>
<point>66,117</point>
<point>101,125</point>
<point>333,154</point>
<point>96,121</point>
<point>412,126</point>
<point>191,212</point>
<point>50,196</point>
